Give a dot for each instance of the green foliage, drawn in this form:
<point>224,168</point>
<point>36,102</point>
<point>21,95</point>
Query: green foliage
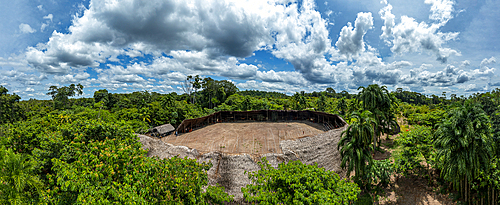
<point>464,146</point>
<point>18,182</point>
<point>381,104</point>
<point>90,161</point>
<point>342,105</point>
<point>380,172</point>
<point>364,199</point>
<point>261,94</point>
<point>299,101</point>
<point>425,116</point>
<point>415,148</point>
<point>321,103</point>
<point>297,183</point>
<point>10,110</point>
<point>114,172</point>
<point>355,148</point>
<point>411,97</point>
<point>60,95</point>
<point>216,92</point>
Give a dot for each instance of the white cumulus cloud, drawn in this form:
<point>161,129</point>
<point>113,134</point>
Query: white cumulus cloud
<point>350,41</point>
<point>25,28</point>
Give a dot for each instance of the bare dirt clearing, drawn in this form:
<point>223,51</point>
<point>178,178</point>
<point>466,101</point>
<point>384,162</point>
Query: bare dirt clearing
<point>244,137</point>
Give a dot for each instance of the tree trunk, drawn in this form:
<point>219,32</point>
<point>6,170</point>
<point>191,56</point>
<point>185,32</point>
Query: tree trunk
<point>374,143</point>
<point>465,190</point>
<point>492,195</point>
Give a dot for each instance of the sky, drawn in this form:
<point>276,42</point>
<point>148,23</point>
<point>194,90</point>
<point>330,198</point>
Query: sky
<point>426,46</point>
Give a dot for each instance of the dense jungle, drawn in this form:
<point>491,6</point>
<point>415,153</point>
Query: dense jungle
<point>76,150</point>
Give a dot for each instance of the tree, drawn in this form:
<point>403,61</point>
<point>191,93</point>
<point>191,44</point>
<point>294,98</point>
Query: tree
<point>9,106</point>
<point>378,101</point>
<point>191,85</point>
<point>18,183</point>
<point>354,146</point>
<point>415,148</point>
<point>342,106</point>
<point>216,92</point>
<point>101,161</point>
<point>299,101</point>
<point>298,183</point>
<point>330,92</point>
<point>321,103</point>
<point>463,145</point>
<point>102,96</point>
<point>60,95</point>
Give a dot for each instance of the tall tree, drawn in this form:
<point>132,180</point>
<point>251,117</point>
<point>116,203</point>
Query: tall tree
<point>216,92</point>
<point>463,145</point>
<point>192,85</point>
<point>354,145</point>
<point>9,106</point>
<point>60,95</point>
<point>378,101</point>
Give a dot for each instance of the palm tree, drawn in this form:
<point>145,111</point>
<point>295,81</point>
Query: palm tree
<point>17,179</point>
<point>379,102</point>
<point>463,145</point>
<point>354,145</point>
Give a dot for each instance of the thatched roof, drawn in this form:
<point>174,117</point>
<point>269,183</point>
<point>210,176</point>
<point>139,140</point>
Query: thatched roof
<point>229,170</point>
<point>163,129</point>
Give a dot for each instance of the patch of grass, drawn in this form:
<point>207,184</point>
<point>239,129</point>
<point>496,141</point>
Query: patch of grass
<point>364,199</point>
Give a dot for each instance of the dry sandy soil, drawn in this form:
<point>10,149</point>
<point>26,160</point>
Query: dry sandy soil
<point>244,137</point>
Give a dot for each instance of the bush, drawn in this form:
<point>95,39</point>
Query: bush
<point>298,183</point>
<point>380,172</point>
<point>415,147</point>
<point>96,162</point>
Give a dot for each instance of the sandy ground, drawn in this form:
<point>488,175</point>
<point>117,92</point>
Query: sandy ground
<point>244,137</point>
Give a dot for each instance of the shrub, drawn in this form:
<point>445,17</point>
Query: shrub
<point>298,183</point>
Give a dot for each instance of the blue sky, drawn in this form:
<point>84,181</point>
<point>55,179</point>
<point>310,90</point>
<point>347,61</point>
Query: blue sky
<point>428,46</point>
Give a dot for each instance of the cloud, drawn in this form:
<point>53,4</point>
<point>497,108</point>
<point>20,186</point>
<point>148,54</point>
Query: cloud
<point>70,78</point>
<point>208,37</point>
<point>291,78</point>
<point>441,10</point>
<point>465,63</point>
<point>62,53</point>
<point>474,88</point>
<point>266,86</point>
<point>19,77</point>
<point>388,17</point>
<point>49,17</point>
<point>449,76</point>
<point>217,28</point>
<point>350,41</point>
<point>411,36</point>
<point>25,28</point>
<point>486,61</point>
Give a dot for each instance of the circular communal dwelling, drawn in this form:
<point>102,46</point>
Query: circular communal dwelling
<point>233,141</point>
